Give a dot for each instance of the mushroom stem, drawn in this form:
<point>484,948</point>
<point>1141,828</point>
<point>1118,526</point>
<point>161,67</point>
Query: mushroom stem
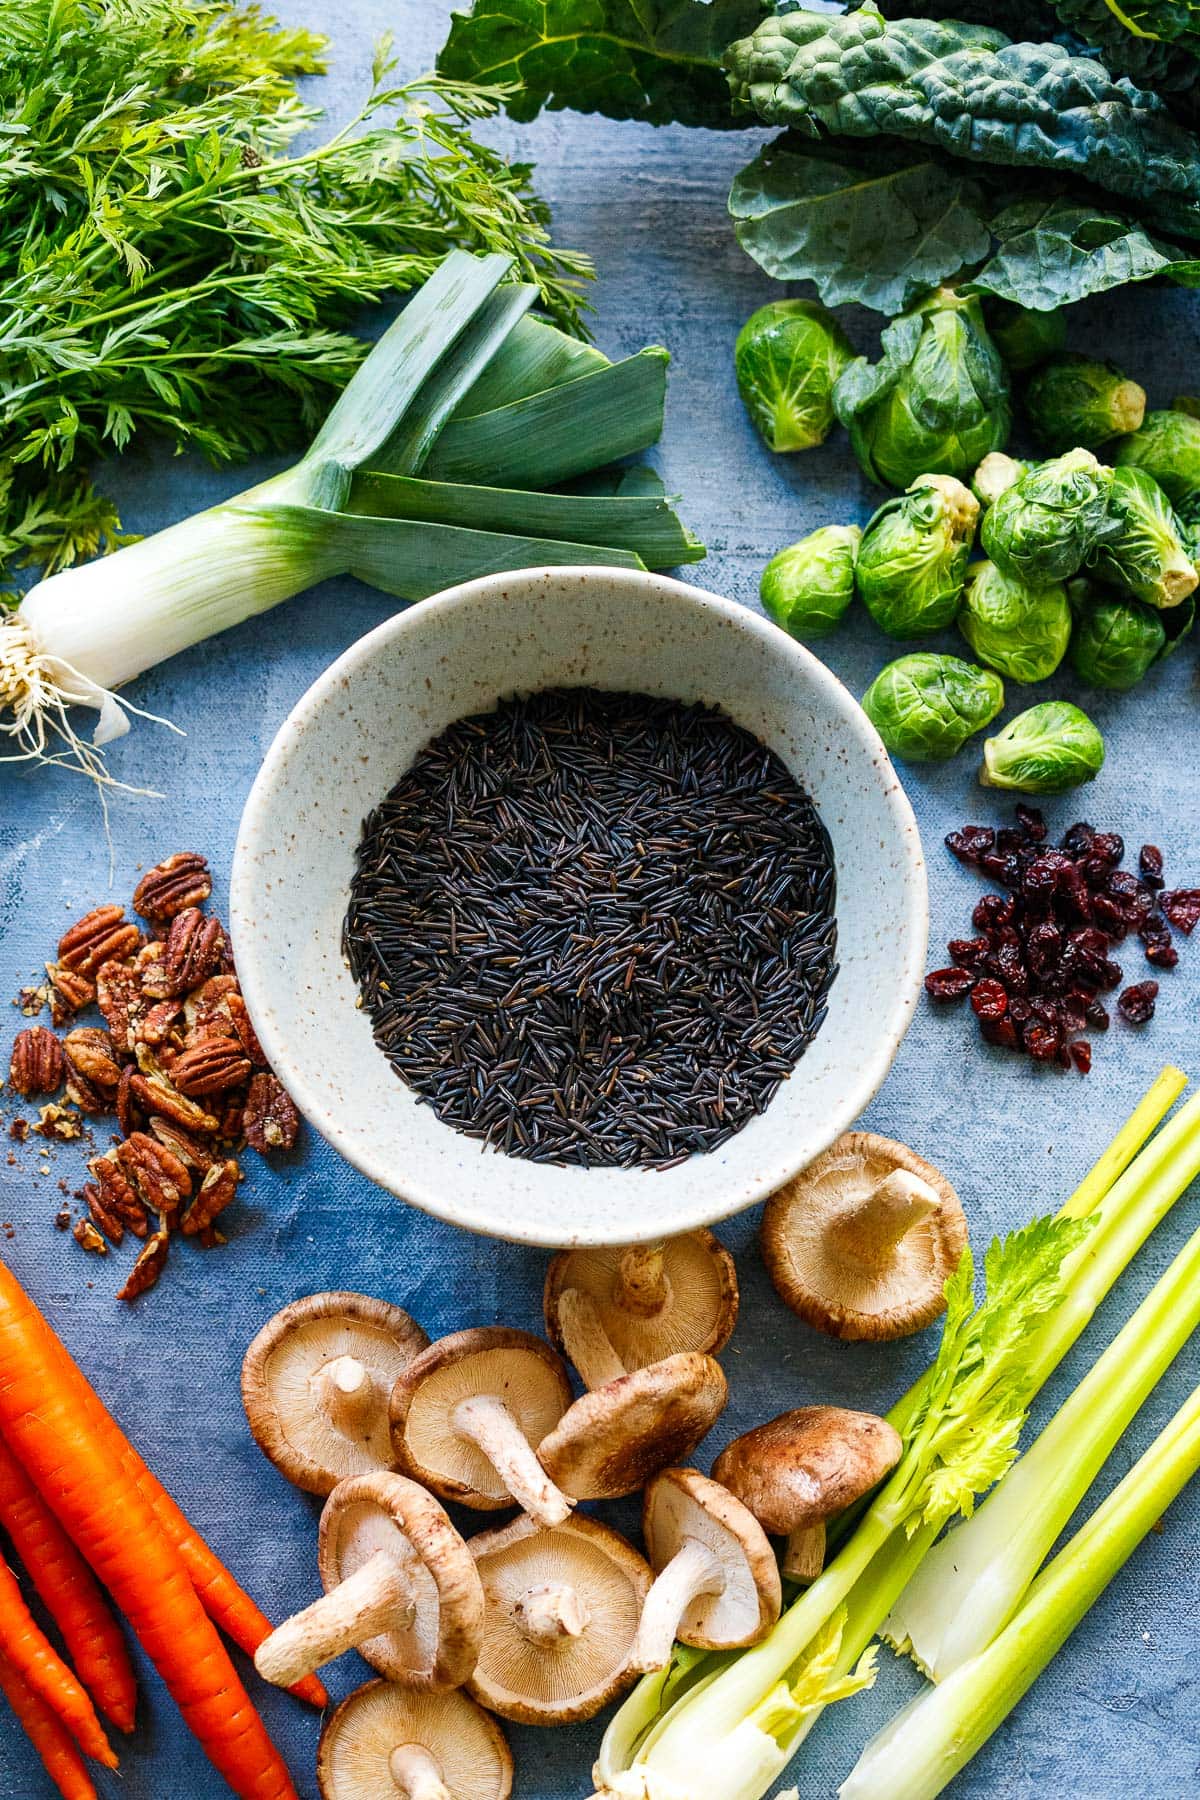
<point>644,1288</point>
<point>546,1615</point>
<point>585,1340</point>
<point>867,1233</point>
<point>693,1570</point>
<point>346,1392</point>
<point>417,1774</point>
<point>487,1422</point>
<point>378,1597</point>
<point>804,1555</point>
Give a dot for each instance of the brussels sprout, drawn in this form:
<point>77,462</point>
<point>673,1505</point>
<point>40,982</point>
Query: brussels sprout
<point>1167,446</point>
<point>1072,401</point>
<point>807,587</point>
<point>1023,631</point>
<point>1024,338</point>
<point>938,400</point>
<point>995,473</point>
<point>1046,750</point>
<point>1115,642</point>
<point>1041,529</point>
<point>925,707</point>
<point>913,557</point>
<point>1145,551</point>
<point>1177,622</point>
<point>787,357</point>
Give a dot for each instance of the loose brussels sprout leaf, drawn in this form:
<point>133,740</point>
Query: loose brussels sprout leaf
<point>1046,750</point>
<point>807,587</point>
<point>1177,622</point>
<point>1024,338</point>
<point>1167,447</point>
<point>995,473</point>
<point>1115,641</point>
<point>1043,527</point>
<point>913,557</point>
<point>1023,631</point>
<point>925,707</point>
<point>938,400</point>
<point>1146,552</point>
<point>1073,401</point>
<point>787,357</point>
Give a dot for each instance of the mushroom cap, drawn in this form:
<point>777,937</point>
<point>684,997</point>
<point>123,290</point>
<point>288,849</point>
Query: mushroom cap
<point>358,1740</point>
<point>849,1299</point>
<point>698,1313</point>
<point>682,1504</point>
<point>803,1467</point>
<point>277,1385</point>
<point>382,1511</point>
<point>572,1680</point>
<point>613,1439</point>
<point>518,1368</point>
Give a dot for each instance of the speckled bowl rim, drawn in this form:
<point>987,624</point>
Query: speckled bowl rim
<point>256,971</point>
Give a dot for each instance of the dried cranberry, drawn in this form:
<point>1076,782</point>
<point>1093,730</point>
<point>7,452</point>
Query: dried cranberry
<point>1114,975</point>
<point>1081,1056</point>
<point>1109,846</point>
<point>1150,862</point>
<point>1085,956</point>
<point>1001,1032</point>
<point>1008,963</point>
<point>1042,1041</point>
<point>1001,867</point>
<point>1162,953</point>
<point>992,910</point>
<point>1079,837</point>
<point>1095,871</point>
<point>989,1000</point>
<point>1045,1011</point>
<point>968,953</point>
<point>1044,949</point>
<point>1122,885</point>
<point>1137,1003</point>
<point>1182,907</point>
<point>970,843</point>
<point>1153,929</point>
<point>1109,917</point>
<point>1097,1016</point>
<point>1020,1008</point>
<point>1031,821</point>
<point>1010,840</point>
<point>1073,1017</point>
<point>948,984</point>
<point>1074,897</point>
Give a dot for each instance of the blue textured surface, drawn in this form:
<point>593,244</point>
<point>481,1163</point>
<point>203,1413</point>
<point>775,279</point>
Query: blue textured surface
<point>1117,1715</point>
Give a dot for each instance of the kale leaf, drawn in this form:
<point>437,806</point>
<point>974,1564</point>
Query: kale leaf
<point>967,90</point>
<point>1053,251</point>
<point>656,60</point>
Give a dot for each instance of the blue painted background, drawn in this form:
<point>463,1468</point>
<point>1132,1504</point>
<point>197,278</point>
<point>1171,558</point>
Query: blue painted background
<point>1117,1715</point>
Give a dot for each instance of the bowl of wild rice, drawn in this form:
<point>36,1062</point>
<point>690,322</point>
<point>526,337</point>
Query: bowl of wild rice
<point>579,906</point>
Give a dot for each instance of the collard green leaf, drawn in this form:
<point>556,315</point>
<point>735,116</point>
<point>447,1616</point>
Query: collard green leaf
<point>1054,251</point>
<point>657,60</point>
<point>880,229</point>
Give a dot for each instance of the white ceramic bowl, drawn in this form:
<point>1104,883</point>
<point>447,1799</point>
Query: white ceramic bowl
<point>361,725</point>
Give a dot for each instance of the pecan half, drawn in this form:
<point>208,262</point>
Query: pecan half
<point>207,1011</point>
<point>151,966</point>
<point>160,1181</point>
<point>70,992</point>
<point>104,1216</point>
<point>92,1053</point>
<point>193,1154</point>
<point>155,1094</point>
<point>175,883</point>
<point>103,935</point>
<point>195,950</point>
<point>212,1066</point>
<point>86,1235</point>
<point>148,1267</point>
<point>244,1031</point>
<point>158,1025</point>
<point>121,1000</point>
<point>37,1063</point>
<point>217,1190</point>
<point>117,1193</point>
<point>270,1120</point>
<point>129,1116</point>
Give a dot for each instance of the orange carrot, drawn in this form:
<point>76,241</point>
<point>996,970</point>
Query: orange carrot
<point>48,1735</point>
<point>70,1594</point>
<point>58,1434</point>
<point>35,1659</point>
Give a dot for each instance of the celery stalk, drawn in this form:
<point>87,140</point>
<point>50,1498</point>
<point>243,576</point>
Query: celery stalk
<point>972,1582</point>
<point>924,1746</point>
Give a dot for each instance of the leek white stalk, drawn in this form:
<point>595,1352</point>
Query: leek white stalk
<point>925,1745</point>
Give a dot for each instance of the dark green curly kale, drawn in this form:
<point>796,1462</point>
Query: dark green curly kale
<point>967,90</point>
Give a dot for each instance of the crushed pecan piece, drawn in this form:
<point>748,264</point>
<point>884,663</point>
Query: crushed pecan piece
<point>151,966</point>
<point>92,1052</point>
<point>121,1000</point>
<point>193,1154</point>
<point>30,1001</point>
<point>195,950</point>
<point>86,1235</point>
<point>243,1030</point>
<point>60,1122</point>
<point>158,1025</point>
<point>177,882</point>
<point>37,1063</point>
<point>156,1095</point>
<point>148,1267</point>
<point>70,992</point>
<point>117,1193</point>
<point>104,1216</point>
<point>212,1066</point>
<point>103,935</point>
<point>270,1119</point>
<point>206,1012</point>
<point>160,1181</point>
<point>217,1190</point>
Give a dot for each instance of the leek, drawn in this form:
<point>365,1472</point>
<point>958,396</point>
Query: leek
<point>925,1745</point>
<point>960,1424</point>
<point>425,474</point>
